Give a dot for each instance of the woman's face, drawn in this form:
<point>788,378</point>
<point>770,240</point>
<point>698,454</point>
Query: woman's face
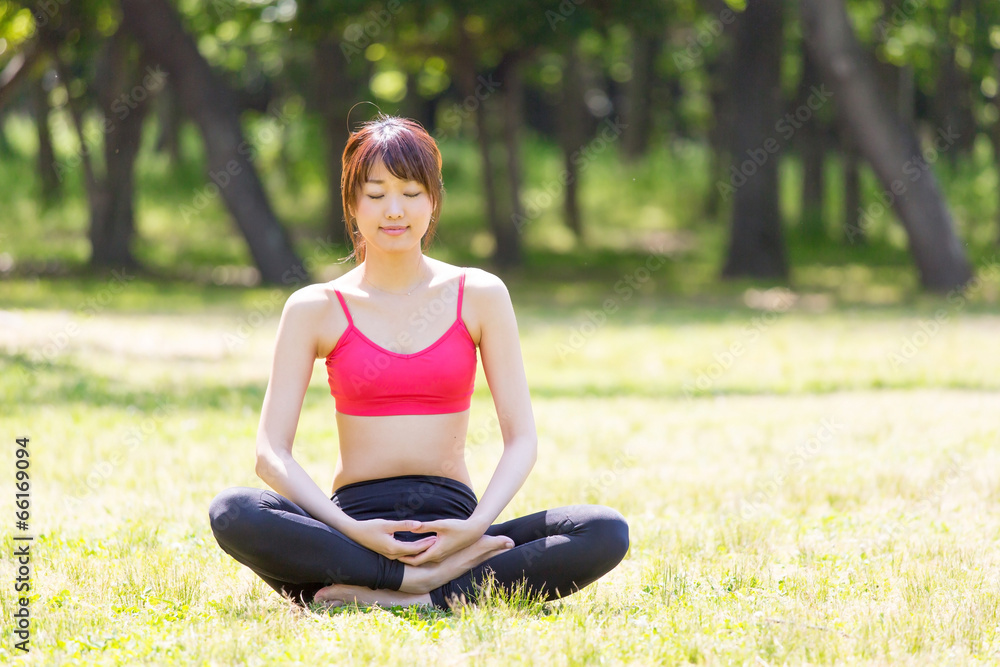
<point>392,214</point>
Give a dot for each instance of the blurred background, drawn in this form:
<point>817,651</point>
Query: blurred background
<point>845,149</point>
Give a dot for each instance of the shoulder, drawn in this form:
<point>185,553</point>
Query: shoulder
<point>312,302</point>
<point>480,285</point>
<point>487,302</point>
<point>483,285</point>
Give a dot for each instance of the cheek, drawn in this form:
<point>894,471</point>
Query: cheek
<point>364,208</point>
<point>424,206</point>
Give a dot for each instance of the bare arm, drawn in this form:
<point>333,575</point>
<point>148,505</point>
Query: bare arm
<point>295,354</point>
<point>500,349</point>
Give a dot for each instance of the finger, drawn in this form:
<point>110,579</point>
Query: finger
<point>413,548</point>
<point>423,527</point>
<point>418,559</point>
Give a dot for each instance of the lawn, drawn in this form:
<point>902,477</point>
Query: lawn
<point>806,479</point>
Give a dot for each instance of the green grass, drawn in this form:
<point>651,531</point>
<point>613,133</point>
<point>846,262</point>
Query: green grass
<point>815,501</point>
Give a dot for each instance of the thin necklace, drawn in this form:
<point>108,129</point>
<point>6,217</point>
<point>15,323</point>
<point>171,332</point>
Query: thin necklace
<point>364,276</point>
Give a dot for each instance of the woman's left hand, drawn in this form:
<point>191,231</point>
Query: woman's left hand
<point>452,535</point>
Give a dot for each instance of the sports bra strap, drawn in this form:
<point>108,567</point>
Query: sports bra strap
<point>461,289</point>
<point>343,304</point>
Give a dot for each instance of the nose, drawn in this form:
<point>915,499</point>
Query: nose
<point>394,207</point>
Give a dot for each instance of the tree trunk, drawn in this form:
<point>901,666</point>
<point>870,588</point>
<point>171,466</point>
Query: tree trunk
<point>206,100</point>
<point>639,107</point>
<point>812,152</point>
<point>854,232</point>
<point>952,102</point>
<point>169,118</point>
<point>508,243</point>
<point>718,73</point>
<point>17,70</point>
<point>995,136</point>
<point>756,244</point>
<point>112,225</point>
<point>513,106</point>
<point>46,155</point>
<point>888,146</point>
<point>570,132</point>
<point>332,85</point>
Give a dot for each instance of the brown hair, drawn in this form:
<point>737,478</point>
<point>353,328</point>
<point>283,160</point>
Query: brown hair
<point>406,150</point>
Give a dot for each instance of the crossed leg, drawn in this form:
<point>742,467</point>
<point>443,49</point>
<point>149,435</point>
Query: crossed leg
<point>556,552</point>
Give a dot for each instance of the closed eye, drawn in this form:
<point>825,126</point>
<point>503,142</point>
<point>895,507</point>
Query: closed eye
<point>408,195</point>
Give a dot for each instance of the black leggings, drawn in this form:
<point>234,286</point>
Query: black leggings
<point>556,552</point>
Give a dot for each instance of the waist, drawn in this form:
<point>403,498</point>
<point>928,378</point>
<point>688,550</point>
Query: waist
<point>379,447</point>
<point>407,497</point>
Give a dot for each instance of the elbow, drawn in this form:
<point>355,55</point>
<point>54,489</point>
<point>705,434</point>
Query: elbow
<point>263,466</point>
<point>529,445</point>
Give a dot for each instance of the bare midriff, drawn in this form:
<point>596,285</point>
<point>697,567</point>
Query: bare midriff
<point>388,446</point>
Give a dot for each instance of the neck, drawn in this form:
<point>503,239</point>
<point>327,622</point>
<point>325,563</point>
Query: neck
<point>399,273</point>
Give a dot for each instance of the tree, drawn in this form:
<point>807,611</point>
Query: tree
<point>891,148</point>
<point>210,103</point>
<point>756,246</point>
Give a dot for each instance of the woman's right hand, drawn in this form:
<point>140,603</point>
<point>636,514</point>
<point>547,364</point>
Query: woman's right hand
<point>377,535</point>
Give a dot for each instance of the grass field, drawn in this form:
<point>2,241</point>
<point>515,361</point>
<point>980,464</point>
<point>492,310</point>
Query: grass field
<point>805,481</point>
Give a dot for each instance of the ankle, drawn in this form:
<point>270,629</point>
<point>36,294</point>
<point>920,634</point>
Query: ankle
<point>417,580</point>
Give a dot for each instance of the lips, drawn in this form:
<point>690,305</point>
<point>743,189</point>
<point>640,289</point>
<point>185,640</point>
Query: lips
<point>394,231</point>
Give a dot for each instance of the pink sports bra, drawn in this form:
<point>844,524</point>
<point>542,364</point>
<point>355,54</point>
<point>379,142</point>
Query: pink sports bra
<point>368,380</point>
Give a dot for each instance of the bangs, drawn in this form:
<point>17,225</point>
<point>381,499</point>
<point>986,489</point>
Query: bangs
<point>405,154</point>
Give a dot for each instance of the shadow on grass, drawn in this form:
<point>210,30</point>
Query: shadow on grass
<point>53,382</point>
<point>64,383</point>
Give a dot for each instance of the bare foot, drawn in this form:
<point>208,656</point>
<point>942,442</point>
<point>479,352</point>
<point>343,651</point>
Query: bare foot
<point>425,578</point>
<point>336,595</point>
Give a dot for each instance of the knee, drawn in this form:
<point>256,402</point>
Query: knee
<point>610,533</point>
<point>231,508</point>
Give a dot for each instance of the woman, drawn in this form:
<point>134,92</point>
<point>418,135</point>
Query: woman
<point>399,333</point>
